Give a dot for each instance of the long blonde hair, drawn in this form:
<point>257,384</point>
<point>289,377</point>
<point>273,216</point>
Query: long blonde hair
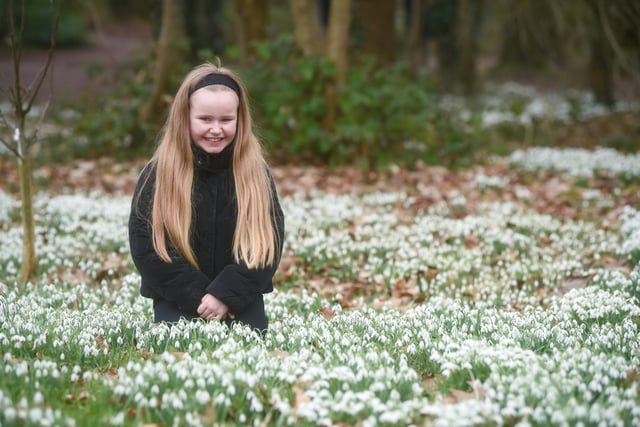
<point>255,240</point>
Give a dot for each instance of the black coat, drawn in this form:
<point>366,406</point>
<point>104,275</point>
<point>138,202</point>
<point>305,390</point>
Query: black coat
<point>213,224</point>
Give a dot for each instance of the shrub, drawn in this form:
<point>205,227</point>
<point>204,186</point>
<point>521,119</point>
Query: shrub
<point>384,115</point>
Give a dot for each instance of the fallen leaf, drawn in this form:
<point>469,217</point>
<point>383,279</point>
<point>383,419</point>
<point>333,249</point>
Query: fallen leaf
<point>327,312</point>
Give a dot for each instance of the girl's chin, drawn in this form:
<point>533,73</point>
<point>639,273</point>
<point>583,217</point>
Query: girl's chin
<point>213,147</point>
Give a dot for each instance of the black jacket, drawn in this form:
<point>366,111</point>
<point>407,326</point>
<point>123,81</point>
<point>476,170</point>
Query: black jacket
<point>213,224</point>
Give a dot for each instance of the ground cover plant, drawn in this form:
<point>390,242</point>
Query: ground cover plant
<point>505,294</point>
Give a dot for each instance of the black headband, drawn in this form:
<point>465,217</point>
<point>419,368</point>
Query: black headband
<point>217,79</point>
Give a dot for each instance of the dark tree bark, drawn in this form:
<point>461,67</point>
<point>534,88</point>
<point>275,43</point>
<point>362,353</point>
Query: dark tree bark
<point>417,54</point>
<point>377,19</point>
<point>336,51</point>
<point>251,26</point>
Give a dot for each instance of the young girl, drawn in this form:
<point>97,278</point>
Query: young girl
<point>206,228</point>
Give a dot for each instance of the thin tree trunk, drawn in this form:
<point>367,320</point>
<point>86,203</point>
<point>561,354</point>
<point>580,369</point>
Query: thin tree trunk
<point>29,260</point>
<point>467,25</point>
<point>251,26</point>
<point>601,57</point>
<point>600,73</point>
<point>167,53</point>
<point>22,100</point>
<point>377,18</point>
<point>306,23</point>
<point>416,45</point>
<point>336,51</point>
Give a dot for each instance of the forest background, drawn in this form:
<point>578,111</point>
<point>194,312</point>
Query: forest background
<point>350,82</point>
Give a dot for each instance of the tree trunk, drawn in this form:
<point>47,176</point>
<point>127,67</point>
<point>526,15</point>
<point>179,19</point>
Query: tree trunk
<point>203,24</point>
<point>467,27</point>
<point>29,261</point>
<point>416,41</point>
<point>446,46</point>
<point>251,26</point>
<point>377,18</point>
<point>336,51</point>
<point>530,33</point>
<point>306,22</point>
<point>169,51</point>
<point>600,72</point>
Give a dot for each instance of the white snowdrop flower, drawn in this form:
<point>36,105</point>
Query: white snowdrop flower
<point>202,397</point>
<point>117,420</point>
<point>152,402</point>
<point>219,399</point>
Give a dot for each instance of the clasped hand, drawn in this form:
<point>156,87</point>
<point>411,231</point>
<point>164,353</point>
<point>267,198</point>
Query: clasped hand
<point>212,308</point>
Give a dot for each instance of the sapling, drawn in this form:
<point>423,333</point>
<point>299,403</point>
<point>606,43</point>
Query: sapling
<point>16,134</point>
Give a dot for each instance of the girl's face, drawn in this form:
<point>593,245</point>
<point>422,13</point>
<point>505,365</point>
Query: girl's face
<point>213,119</point>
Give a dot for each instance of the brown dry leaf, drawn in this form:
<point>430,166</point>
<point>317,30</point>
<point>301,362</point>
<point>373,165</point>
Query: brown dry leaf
<point>301,396</point>
<point>471,241</point>
<point>398,302</point>
<point>112,372</point>
<point>209,416</point>
<point>405,288</point>
<point>430,273</point>
<point>289,261</point>
<point>553,188</point>
<point>279,354</point>
<point>327,312</point>
<point>575,282</point>
<point>74,397</point>
<point>100,342</point>
<point>477,392</point>
<point>542,292</point>
<point>347,293</point>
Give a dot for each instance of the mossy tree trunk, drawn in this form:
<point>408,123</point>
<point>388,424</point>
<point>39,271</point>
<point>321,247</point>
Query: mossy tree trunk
<point>336,52</point>
<point>170,52</point>
<point>306,22</point>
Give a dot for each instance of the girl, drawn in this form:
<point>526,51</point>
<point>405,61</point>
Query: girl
<point>206,228</point>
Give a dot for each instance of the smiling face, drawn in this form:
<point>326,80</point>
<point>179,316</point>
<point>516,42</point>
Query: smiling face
<point>213,118</point>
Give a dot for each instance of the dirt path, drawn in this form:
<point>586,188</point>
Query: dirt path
<point>81,70</point>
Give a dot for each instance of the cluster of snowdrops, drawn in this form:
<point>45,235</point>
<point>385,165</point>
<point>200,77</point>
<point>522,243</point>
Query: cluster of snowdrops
<point>514,317</point>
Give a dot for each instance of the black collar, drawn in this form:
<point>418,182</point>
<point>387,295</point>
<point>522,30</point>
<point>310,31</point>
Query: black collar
<point>213,162</point>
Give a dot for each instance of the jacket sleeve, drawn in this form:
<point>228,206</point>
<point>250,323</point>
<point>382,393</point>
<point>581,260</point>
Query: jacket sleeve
<point>238,285</point>
<point>176,281</point>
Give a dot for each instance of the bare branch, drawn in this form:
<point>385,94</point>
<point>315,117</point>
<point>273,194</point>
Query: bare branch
<point>55,19</point>
<point>11,148</point>
<point>5,123</point>
<point>16,51</point>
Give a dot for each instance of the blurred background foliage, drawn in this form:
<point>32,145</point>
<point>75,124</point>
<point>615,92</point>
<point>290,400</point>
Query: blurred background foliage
<point>367,84</point>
